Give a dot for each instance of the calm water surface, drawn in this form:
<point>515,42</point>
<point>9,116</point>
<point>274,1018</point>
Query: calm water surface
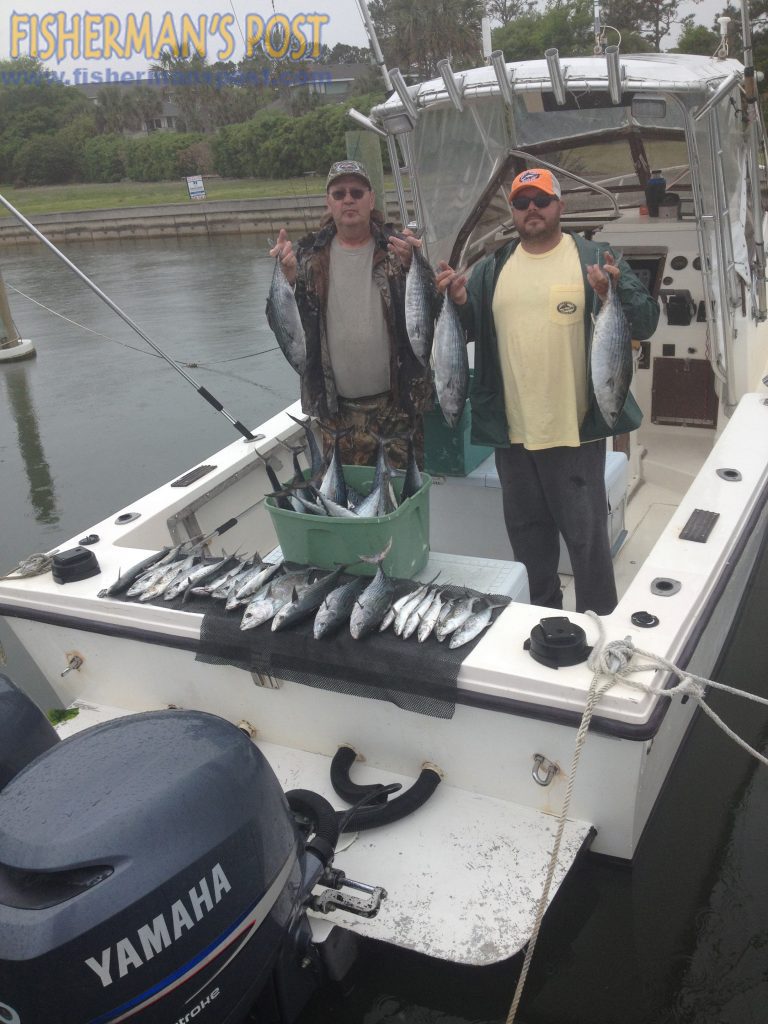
<point>94,422</point>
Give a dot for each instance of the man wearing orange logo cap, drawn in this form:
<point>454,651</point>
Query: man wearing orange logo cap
<point>529,308</point>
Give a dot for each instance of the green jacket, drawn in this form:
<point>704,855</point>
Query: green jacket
<point>489,420</point>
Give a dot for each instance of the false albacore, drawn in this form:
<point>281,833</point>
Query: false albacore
<point>419,319</point>
<point>315,456</point>
<point>451,363</point>
<point>371,606</point>
<point>337,607</point>
<point>611,357</point>
<point>283,317</point>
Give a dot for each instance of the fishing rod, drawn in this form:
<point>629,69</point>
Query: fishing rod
<point>203,392</point>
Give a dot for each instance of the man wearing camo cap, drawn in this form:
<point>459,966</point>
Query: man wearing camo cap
<point>361,374</point>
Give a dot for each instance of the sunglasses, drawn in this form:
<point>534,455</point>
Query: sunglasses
<point>356,193</point>
<point>541,202</point>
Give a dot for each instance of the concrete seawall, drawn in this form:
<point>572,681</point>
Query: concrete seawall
<point>179,220</point>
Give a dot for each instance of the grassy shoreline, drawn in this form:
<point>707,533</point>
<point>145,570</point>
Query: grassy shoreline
<point>68,198</point>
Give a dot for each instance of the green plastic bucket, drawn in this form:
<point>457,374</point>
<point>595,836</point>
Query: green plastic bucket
<point>327,541</point>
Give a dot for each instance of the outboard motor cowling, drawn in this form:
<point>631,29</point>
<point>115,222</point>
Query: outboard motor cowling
<point>25,732</point>
<point>151,870</point>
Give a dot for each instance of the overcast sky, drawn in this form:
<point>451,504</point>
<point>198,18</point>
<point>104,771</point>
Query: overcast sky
<point>343,24</point>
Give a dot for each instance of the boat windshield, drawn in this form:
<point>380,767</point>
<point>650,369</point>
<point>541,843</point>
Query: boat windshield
<point>589,141</point>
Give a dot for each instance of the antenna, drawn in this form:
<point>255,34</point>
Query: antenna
<point>485,28</point>
<point>598,28</point>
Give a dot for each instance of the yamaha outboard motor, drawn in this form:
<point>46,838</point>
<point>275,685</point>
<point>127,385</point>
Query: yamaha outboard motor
<point>25,732</point>
<point>151,870</point>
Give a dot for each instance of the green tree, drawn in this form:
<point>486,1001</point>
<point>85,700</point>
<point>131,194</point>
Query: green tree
<point>189,80</point>
<point>653,19</point>
<point>343,53</point>
<point>148,103</point>
<point>697,39</point>
<point>415,36</point>
<point>33,103</point>
<point>567,27</point>
<point>506,11</point>
<point>43,160</point>
<point>115,111</point>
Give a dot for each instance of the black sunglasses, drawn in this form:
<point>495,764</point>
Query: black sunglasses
<point>541,202</point>
<point>356,193</point>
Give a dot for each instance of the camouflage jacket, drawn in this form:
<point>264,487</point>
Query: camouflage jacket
<point>410,382</point>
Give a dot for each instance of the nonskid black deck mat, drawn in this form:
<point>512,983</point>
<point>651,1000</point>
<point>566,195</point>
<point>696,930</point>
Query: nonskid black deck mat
<point>420,677</point>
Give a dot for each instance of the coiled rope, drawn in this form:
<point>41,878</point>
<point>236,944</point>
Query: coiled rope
<point>611,663</point>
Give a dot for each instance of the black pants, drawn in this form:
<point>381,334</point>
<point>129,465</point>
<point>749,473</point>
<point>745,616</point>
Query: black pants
<point>554,491</point>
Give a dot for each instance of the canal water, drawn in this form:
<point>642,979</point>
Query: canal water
<point>97,419</point>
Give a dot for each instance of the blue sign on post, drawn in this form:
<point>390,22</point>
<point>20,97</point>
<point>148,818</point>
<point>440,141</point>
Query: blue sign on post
<point>196,187</point>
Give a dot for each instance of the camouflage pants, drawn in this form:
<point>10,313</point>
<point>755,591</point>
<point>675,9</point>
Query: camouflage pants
<point>364,417</point>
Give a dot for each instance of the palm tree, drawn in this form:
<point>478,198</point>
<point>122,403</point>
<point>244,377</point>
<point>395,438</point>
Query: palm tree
<point>148,102</point>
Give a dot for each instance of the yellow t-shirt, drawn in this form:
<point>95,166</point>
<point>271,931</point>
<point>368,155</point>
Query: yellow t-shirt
<point>538,310</point>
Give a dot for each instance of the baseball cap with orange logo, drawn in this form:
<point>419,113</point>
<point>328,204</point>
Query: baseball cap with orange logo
<point>536,177</point>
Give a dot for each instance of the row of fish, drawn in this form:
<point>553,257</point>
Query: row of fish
<point>443,341</point>
<point>368,606</point>
<point>327,492</point>
<point>267,591</point>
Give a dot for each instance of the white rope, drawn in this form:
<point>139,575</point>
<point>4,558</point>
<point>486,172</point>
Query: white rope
<point>614,662</point>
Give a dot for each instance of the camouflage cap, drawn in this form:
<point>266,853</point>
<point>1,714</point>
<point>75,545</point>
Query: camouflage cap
<point>344,167</point>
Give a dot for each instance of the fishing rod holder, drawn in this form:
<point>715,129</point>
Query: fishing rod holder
<point>453,86</point>
<point>366,122</point>
<point>556,75</point>
<point>406,99</point>
<point>504,78</point>
<point>615,73</point>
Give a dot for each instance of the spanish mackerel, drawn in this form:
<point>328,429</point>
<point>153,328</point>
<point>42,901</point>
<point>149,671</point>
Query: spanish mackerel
<point>126,579</point>
<point>611,357</point>
<point>451,363</point>
<point>284,319</point>
<point>475,624</point>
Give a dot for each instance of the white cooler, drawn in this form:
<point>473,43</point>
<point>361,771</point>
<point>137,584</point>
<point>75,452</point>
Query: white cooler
<point>616,482</point>
<point>493,536</point>
<point>489,575</point>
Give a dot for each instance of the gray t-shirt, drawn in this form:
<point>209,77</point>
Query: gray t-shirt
<point>358,342</point>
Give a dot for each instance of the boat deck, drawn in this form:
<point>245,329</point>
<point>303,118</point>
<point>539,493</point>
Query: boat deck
<point>667,472</point>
